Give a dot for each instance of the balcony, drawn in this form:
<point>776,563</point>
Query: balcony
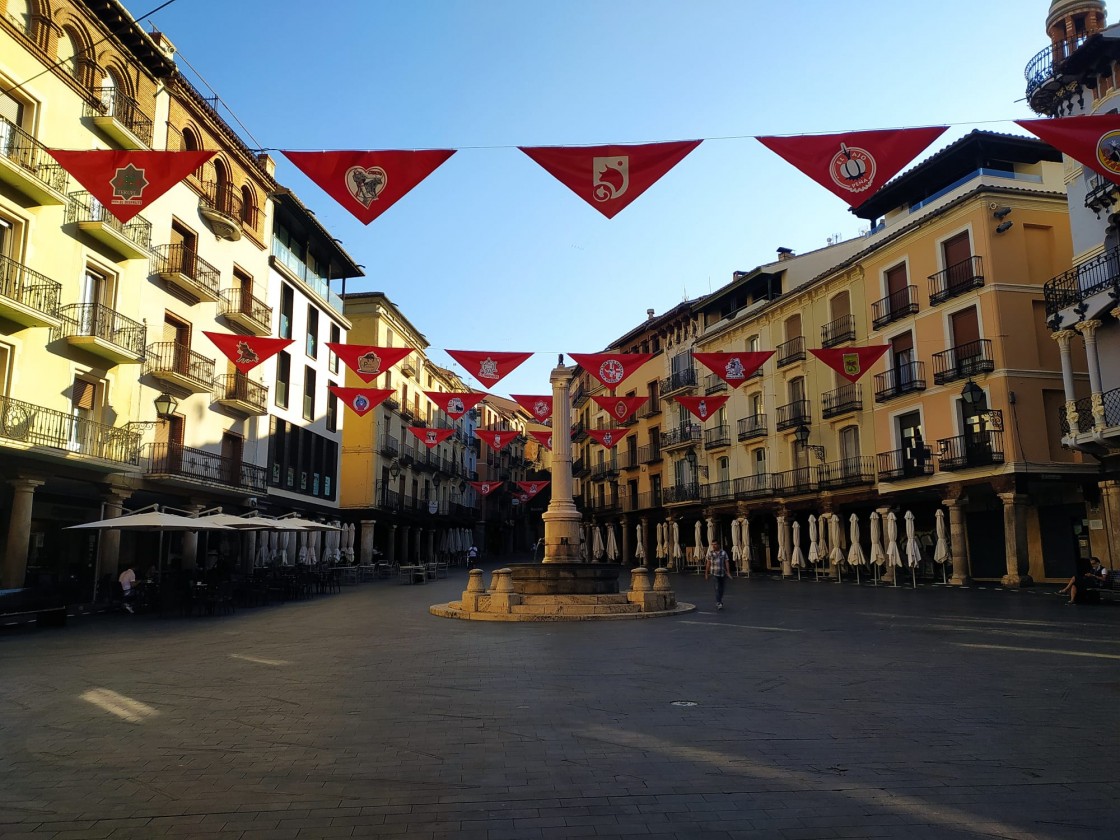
<point>389,446</point>
<point>679,380</point>
<point>650,408</point>
<point>604,469</point>
<point>716,437</point>
<point>119,117</point>
<point>99,330</point>
<point>180,366</point>
<point>681,494</point>
<point>129,241</point>
<point>843,400</point>
<point>28,297</point>
<point>977,449</point>
<point>838,331</point>
<point>956,280</point>
<point>606,505</point>
<point>580,393</point>
<point>752,427</point>
<point>795,481</point>
<point>1082,282</point>
<point>649,454</point>
<point>181,267</point>
<point>847,472</point>
<point>753,486</point>
<point>894,307</point>
<point>248,312</point>
<point>791,351</point>
<point>190,466</point>
<point>410,366</point>
<point>717,491</point>
<point>225,211</point>
<point>61,434</point>
<point>963,361</point>
<point>684,435</point>
<point>628,460</point>
<point>713,384</point>
<point>1043,73</point>
<point>579,431</point>
<point>239,393</point>
<point>909,462</point>
<point>26,167</point>
<point>393,404</point>
<point>1101,195</point>
<point>580,468</point>
<point>794,414</point>
<point>902,379</point>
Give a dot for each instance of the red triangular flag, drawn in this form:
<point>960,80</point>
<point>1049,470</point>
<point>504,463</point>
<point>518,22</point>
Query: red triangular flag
<point>488,368</point>
<point>620,408</point>
<point>247,351</point>
<point>734,368</point>
<point>366,361</point>
<point>855,164</point>
<point>496,439</point>
<point>1093,141</point>
<point>368,183</point>
<point>431,437</point>
<point>702,407</point>
<point>455,405</point>
<point>540,407</point>
<point>485,488</point>
<point>851,362</point>
<point>610,177</point>
<point>532,488</point>
<point>609,438</point>
<point>543,437</point>
<point>361,400</point>
<point>125,182</point>
<point>611,368</point>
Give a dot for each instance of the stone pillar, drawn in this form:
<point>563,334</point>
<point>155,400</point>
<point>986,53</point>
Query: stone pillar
<point>1110,504</point>
<point>429,545</point>
<point>189,545</point>
<point>1015,536</point>
<point>391,545</point>
<point>19,532</point>
<point>561,520</point>
<point>644,520</point>
<point>365,556</point>
<point>958,542</point>
<point>1088,330</point>
<point>250,560</point>
<point>108,559</point>
<point>624,524</point>
<point>1063,337</point>
<point>474,591</point>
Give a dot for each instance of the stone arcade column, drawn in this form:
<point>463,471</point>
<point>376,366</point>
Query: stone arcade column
<point>429,545</point>
<point>1063,337</point>
<point>391,545</point>
<point>1110,503</point>
<point>958,543</point>
<point>561,520</point>
<point>1015,536</point>
<point>19,532</point>
<point>624,525</point>
<point>1088,330</point>
<point>366,554</point>
<point>189,545</point>
<point>109,558</point>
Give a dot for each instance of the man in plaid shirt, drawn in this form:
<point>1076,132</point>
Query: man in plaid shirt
<point>717,566</point>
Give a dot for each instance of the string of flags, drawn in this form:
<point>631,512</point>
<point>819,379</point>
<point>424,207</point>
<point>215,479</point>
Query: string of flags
<point>852,165</point>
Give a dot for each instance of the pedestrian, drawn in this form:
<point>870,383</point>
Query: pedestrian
<point>717,566</point>
<point>472,556</point>
<point>127,581</point>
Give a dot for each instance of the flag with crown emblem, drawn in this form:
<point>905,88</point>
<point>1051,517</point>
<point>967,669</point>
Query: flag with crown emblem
<point>247,351</point>
<point>361,400</point>
<point>366,361</point>
<point>489,368</point>
<point>851,362</point>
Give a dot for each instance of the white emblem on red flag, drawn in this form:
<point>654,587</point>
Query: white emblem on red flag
<point>853,168</point>
<point>610,177</point>
<point>366,183</point>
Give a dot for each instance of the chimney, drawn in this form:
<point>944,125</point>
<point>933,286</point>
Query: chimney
<point>164,44</point>
<point>785,254</point>
<point>649,314</point>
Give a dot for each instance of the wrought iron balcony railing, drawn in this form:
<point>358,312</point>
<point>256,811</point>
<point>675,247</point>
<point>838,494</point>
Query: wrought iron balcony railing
<point>185,262</point>
<point>172,358</point>
<point>838,331</point>
<point>899,380</point>
<point>388,445</point>
<point>963,361</point>
<point>29,288</point>
<point>977,449</point>
<point>753,486</point>
<point>713,384</point>
<point>96,321</point>
<point>794,414</point>
<point>795,481</point>
<point>628,459</point>
<point>110,102</point>
<point>681,493</point>
<point>908,462</point>
<point>844,399</point>
<point>752,427</point>
<point>680,436</point>
<point>240,388</point>
<point>847,472</point>
<point>717,491</point>
<point>603,469</point>
<point>894,307</point>
<point>31,156</point>
<point>791,351</point>
<point>83,207</point>
<point>1043,67</point>
<point>649,454</point>
<point>1084,280</point>
<point>717,436</point>
<point>34,425</point>
<point>235,303</point>
<point>225,198</point>
<point>956,280</point>
<point>678,381</point>
<point>175,460</point>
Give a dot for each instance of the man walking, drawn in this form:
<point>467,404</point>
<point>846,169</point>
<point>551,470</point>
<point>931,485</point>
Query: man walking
<point>717,566</point>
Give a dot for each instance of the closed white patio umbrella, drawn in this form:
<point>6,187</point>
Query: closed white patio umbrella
<point>282,547</point>
<point>660,550</point>
<point>698,550</point>
<point>913,549</point>
<point>598,547</point>
<point>713,536</point>
<point>813,556</point>
<point>612,544</point>
<point>640,551</point>
<point>878,556</point>
<point>856,557</point>
<point>822,538</point>
<point>894,559</point>
<point>797,556</point>
<point>676,554</point>
<point>836,555</point>
<point>783,546</point>
<point>745,535</point>
<point>941,553</point>
<point>736,548</point>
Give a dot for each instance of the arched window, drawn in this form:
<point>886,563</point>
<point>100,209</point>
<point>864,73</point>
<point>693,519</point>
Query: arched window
<point>248,206</point>
<point>110,87</point>
<point>190,140</point>
<point>69,49</point>
<point>20,12</point>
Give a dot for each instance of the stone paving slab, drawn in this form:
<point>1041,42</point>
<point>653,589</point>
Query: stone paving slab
<point>813,710</point>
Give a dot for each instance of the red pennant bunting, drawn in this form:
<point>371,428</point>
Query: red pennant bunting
<point>702,407</point>
<point>361,400</point>
<point>455,405</point>
<point>611,368</point>
<point>854,165</point>
<point>247,351</point>
<point>431,437</point>
<point>1092,141</point>
<point>734,368</point>
<point>485,488</point>
<point>610,177</point>
<point>125,182</point>
<point>540,407</point>
<point>609,438</point>
<point>368,183</point>
<point>532,488</point>
<point>366,361</point>
<point>620,408</point>
<point>488,368</point>
<point>851,362</point>
<point>544,438</point>
<point>496,439</point>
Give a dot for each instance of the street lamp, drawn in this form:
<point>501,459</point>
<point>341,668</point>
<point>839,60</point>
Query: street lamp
<point>165,406</point>
<point>801,438</point>
<point>395,469</point>
<point>972,394</point>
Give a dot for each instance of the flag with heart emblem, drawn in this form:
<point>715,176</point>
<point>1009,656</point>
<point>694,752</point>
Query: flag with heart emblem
<point>368,183</point>
<point>702,407</point>
<point>431,437</point>
<point>610,177</point>
<point>247,351</point>
<point>496,439</point>
<point>851,362</point>
<point>1092,141</point>
<point>489,368</point>
<point>453,404</point>
<point>619,408</point>
<point>609,438</point>
<point>854,165</point>
<point>532,488</point>
<point>361,400</point>
<point>539,406</point>
<point>544,438</point>
<point>734,368</point>
<point>366,361</point>
<point>125,182</point>
<point>485,488</point>
<point>611,368</point>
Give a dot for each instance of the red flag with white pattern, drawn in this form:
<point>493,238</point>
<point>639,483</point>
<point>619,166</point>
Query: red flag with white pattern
<point>489,368</point>
<point>851,362</point>
<point>247,351</point>
<point>485,488</point>
<point>611,368</point>
<point>702,407</point>
<point>367,361</point>
<point>455,404</point>
<point>496,439</point>
<point>431,437</point>
<point>609,438</point>
<point>619,408</point>
<point>361,400</point>
<point>734,368</point>
<point>532,488</point>
<point>539,406</point>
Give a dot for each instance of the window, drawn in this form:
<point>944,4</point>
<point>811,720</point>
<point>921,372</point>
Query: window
<point>83,404</point>
<point>755,403</point>
<point>902,357</point>
<point>283,377</point>
<point>796,389</point>
<point>336,338</point>
<point>248,207</point>
<point>69,48</point>
<point>793,327</point>
<point>654,404</point>
<point>184,249</point>
<point>723,469</point>
<point>332,413</point>
<point>309,393</point>
<point>760,461</point>
<point>287,304</point>
<point>849,444</point>
<point>312,332</point>
<point>753,344</point>
<point>243,282</point>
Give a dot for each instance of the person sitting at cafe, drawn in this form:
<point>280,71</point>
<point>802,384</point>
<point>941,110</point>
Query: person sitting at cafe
<point>1088,574</point>
<point>127,581</point>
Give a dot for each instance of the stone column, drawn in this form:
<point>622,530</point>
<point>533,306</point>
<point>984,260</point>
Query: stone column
<point>1110,504</point>
<point>365,556</point>
<point>1088,330</point>
<point>1015,536</point>
<point>189,544</point>
<point>429,545</point>
<point>250,561</point>
<point>561,520</point>
<point>108,559</point>
<point>958,542</point>
<point>391,545</point>
<point>646,555</point>
<point>19,532</point>
<point>624,524</point>
<point>1063,337</point>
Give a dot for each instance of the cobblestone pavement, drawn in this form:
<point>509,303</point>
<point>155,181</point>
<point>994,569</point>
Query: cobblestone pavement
<point>803,710</point>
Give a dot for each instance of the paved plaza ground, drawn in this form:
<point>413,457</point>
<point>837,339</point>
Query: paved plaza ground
<point>803,710</point>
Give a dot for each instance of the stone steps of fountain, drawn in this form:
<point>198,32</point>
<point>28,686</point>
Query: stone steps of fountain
<point>575,605</point>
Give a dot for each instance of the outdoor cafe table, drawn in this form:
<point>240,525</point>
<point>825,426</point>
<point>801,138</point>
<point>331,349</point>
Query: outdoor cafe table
<point>347,575</point>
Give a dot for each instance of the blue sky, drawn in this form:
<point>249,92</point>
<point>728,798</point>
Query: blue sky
<point>492,253</point>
